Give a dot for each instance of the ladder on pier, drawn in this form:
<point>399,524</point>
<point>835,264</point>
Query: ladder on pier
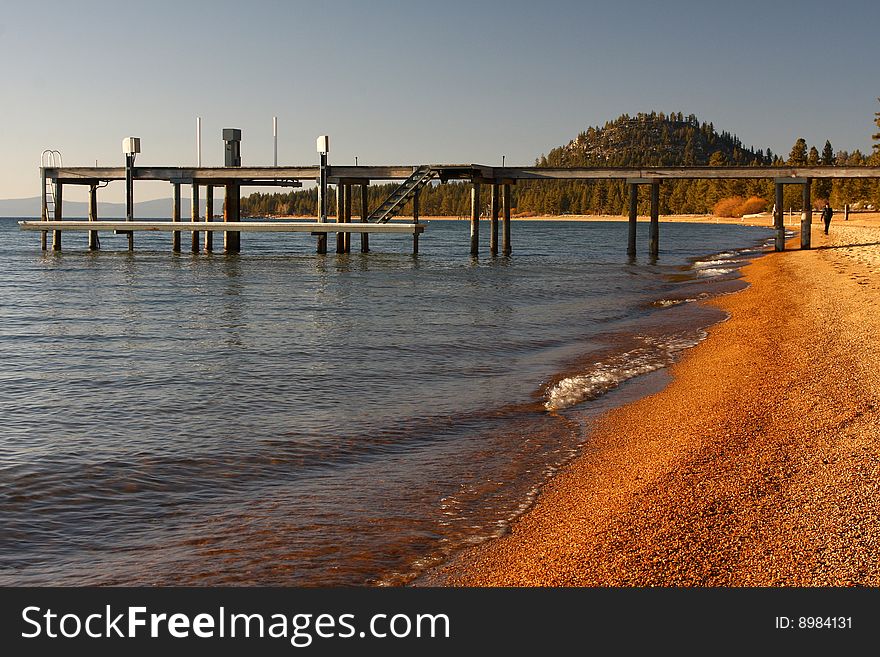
<point>49,159</point>
<point>394,204</point>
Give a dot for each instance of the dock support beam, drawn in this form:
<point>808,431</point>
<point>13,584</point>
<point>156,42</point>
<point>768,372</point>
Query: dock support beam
<point>846,212</point>
<point>232,212</point>
<point>175,216</point>
<point>322,203</point>
<point>505,229</point>
<point>415,214</point>
<point>94,244</point>
<point>493,232</point>
<point>347,208</point>
<point>779,218</point>
<point>59,216</point>
<point>194,216</point>
<point>44,209</point>
<point>807,221</point>
<point>365,237</point>
<point>654,231</point>
<point>633,216</point>
<point>209,216</point>
<point>475,219</point>
<point>129,195</point>
<point>340,216</point>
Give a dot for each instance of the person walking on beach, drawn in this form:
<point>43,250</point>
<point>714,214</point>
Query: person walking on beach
<point>827,213</point>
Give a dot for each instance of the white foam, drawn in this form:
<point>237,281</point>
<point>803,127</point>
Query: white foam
<point>713,271</point>
<point>604,376</point>
<point>701,264</point>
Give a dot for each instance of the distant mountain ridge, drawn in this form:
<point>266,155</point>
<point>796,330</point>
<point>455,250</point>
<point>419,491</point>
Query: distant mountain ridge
<point>29,208</point>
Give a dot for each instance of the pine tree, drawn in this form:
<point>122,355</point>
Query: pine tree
<point>798,153</point>
<point>828,154</point>
<point>876,136</point>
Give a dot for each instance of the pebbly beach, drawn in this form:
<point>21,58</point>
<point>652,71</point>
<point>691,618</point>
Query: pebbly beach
<point>757,465</point>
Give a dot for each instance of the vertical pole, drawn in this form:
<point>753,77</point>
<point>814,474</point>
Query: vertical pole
<point>322,203</point>
<point>807,221</point>
<point>415,213</point>
<point>846,212</point>
<point>505,229</point>
<point>198,141</point>
<point>94,245</point>
<point>475,219</point>
<point>194,215</point>
<point>340,216</point>
<point>633,216</point>
<point>493,233</point>
<point>129,196</point>
<point>654,231</point>
<point>209,216</point>
<point>365,237</point>
<point>44,208</point>
<point>56,234</point>
<point>348,204</point>
<point>232,212</point>
<point>779,219</point>
<point>175,217</point>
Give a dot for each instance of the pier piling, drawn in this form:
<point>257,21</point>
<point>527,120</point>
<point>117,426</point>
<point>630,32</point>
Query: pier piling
<point>475,219</point>
<point>59,216</point>
<point>346,236</point>
<point>779,219</point>
<point>44,207</point>
<point>94,245</point>
<point>807,220</point>
<point>505,229</point>
<point>493,231</point>
<point>415,213</point>
<point>654,230</point>
<point>129,195</point>
<point>175,217</point>
<point>365,212</point>
<point>194,216</point>
<point>633,216</point>
<point>340,216</point>
<point>209,217</point>
<point>232,212</point>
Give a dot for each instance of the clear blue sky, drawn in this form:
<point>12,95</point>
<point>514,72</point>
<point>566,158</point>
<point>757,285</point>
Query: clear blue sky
<point>413,82</point>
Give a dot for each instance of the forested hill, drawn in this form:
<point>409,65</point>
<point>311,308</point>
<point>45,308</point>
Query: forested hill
<point>652,139</point>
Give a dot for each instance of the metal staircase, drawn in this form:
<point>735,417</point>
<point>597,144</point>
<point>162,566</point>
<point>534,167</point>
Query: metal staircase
<point>49,159</point>
<point>394,204</point>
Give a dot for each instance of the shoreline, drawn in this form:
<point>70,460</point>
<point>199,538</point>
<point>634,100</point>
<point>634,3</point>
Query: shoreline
<point>773,481</point>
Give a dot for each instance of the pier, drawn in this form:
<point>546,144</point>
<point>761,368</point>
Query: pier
<point>347,179</point>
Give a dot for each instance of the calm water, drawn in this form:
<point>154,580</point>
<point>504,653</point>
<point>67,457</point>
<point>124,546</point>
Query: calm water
<point>283,418</point>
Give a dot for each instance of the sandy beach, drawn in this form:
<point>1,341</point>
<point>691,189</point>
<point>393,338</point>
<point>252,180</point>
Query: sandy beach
<point>861,219</point>
<point>758,465</point>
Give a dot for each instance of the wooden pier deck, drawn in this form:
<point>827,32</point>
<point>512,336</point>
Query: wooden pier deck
<point>219,226</point>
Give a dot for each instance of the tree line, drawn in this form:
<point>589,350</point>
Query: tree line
<point>647,139</point>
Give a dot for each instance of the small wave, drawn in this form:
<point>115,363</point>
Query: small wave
<point>603,376</point>
<point>714,271</point>
<point>667,303</point>
<point>702,264</point>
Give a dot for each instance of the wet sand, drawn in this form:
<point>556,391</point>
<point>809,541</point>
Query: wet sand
<point>758,465</point>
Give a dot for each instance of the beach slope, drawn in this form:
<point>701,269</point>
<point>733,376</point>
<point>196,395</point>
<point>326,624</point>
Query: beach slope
<point>758,465</point>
